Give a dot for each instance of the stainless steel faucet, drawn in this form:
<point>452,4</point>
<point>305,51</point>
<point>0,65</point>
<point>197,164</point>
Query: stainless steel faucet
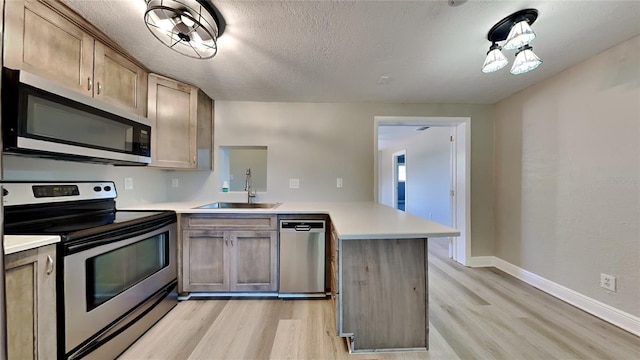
<point>251,194</point>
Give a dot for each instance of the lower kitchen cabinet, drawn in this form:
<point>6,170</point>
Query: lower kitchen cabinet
<point>239,261</point>
<point>31,303</point>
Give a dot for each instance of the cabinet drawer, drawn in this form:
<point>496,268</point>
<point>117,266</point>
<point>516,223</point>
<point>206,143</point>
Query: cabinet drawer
<point>230,222</point>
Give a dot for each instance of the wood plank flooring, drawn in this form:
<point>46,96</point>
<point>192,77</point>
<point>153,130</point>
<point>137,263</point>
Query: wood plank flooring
<point>474,314</point>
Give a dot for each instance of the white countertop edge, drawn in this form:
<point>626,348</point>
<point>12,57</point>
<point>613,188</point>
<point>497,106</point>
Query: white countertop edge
<point>396,236</point>
<point>17,243</point>
<point>353,220</point>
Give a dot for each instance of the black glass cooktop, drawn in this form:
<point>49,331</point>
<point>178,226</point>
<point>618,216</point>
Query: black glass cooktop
<point>75,223</point>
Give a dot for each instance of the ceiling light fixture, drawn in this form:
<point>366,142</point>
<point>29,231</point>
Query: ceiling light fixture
<point>516,30</point>
<point>190,27</point>
<point>495,59</point>
<point>526,61</point>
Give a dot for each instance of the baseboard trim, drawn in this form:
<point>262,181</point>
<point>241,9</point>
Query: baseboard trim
<point>482,261</point>
<point>599,309</point>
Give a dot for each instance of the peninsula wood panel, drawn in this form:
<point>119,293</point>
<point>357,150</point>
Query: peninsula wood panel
<point>205,261</point>
<point>255,260</point>
<point>384,293</point>
<point>119,81</point>
<point>43,43</point>
<point>31,303</point>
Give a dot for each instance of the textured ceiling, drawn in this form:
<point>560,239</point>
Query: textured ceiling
<point>327,51</point>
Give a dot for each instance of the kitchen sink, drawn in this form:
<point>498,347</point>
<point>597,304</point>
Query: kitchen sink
<point>239,205</point>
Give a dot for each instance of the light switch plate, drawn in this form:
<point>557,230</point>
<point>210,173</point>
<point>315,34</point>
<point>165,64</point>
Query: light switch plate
<point>339,182</point>
<point>175,183</point>
<point>128,183</point>
<point>294,183</point>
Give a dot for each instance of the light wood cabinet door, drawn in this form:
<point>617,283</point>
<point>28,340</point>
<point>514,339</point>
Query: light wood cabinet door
<point>254,260</point>
<point>41,42</point>
<point>31,303</point>
<point>119,81</point>
<point>205,260</point>
<point>172,108</point>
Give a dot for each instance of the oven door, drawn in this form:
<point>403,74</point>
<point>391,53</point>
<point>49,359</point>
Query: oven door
<point>103,283</point>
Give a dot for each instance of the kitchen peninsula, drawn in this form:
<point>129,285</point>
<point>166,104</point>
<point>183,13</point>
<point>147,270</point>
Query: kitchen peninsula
<point>378,262</point>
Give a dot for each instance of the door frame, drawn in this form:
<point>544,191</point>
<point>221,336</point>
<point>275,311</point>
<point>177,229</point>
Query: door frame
<point>460,247</point>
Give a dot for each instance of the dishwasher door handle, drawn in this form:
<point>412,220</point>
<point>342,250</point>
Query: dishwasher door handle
<point>302,228</point>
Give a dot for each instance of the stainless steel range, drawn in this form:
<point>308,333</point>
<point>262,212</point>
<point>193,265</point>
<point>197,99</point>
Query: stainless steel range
<point>116,269</point>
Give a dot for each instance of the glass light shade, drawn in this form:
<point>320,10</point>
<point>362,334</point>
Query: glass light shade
<point>526,60</point>
<point>519,36</point>
<point>184,26</point>
<point>494,61</point>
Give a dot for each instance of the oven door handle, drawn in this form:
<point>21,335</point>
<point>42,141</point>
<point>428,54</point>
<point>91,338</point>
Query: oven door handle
<point>108,238</point>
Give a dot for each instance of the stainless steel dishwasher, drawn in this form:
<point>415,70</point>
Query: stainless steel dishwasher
<point>302,258</point>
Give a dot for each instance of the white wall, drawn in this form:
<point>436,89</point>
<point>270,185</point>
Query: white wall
<point>428,159</point>
<point>567,158</point>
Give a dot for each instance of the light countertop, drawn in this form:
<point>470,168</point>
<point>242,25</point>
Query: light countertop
<point>353,220</point>
<point>17,243</point>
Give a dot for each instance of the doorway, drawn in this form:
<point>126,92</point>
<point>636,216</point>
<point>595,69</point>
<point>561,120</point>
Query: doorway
<point>400,179</point>
<point>456,196</point>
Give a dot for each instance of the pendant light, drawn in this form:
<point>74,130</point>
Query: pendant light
<point>519,35</point>
<point>526,60</point>
<point>495,59</point>
<point>190,27</point>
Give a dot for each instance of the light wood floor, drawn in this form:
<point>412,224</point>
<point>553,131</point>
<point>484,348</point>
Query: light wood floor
<point>473,313</point>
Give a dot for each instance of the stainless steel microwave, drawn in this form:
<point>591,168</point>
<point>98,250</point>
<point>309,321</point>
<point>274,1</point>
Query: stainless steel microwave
<point>41,118</point>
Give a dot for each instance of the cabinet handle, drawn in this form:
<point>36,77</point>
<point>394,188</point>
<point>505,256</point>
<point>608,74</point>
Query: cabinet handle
<point>49,264</point>
<point>99,87</point>
<point>89,84</point>
<point>231,242</point>
<point>193,160</point>
<point>226,242</point>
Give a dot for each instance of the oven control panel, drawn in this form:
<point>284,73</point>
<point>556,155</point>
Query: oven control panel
<point>41,191</point>
<point>25,193</point>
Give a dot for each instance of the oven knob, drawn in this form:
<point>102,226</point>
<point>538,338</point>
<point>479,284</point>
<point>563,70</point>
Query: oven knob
<point>107,188</point>
<point>97,188</point>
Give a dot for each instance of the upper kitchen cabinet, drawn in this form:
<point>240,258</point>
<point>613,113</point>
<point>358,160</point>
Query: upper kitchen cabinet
<point>119,81</point>
<point>50,41</point>
<point>182,115</point>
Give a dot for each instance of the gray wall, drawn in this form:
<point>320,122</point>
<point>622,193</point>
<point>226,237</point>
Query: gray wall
<point>567,157</point>
<point>315,143</point>
<point>428,158</point>
<point>318,142</point>
<point>149,185</point>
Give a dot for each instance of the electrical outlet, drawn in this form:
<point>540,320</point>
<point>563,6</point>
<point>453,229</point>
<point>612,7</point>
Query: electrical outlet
<point>608,282</point>
<point>339,182</point>
<point>294,183</point>
<point>175,183</point>
<point>128,183</point>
